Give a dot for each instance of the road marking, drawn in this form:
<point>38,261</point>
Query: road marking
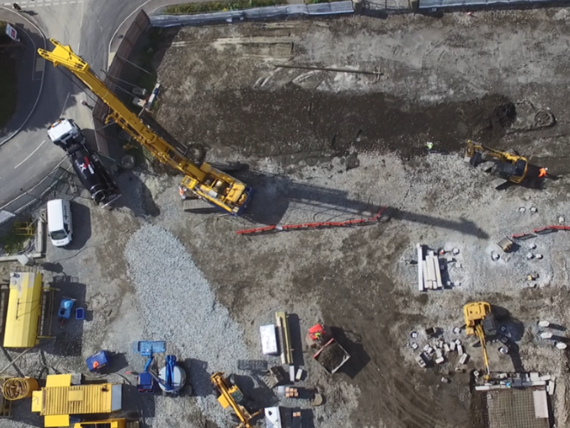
<point>40,3</point>
<point>40,64</point>
<point>64,104</point>
<point>80,24</point>
<point>30,155</point>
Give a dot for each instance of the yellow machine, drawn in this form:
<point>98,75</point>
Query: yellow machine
<point>108,423</point>
<point>204,181</point>
<point>60,398</point>
<point>28,303</point>
<point>510,167</point>
<point>479,321</point>
<point>231,396</point>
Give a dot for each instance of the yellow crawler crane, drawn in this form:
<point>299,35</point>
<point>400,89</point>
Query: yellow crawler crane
<point>231,396</point>
<point>204,181</point>
<point>480,321</point>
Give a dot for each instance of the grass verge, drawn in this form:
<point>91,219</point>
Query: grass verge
<point>219,6</point>
<point>8,79</point>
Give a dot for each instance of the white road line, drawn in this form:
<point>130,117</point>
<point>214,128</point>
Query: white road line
<point>30,155</point>
<point>80,24</point>
<point>64,104</point>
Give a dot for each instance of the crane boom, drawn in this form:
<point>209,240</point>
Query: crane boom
<point>206,182</point>
<point>481,336</point>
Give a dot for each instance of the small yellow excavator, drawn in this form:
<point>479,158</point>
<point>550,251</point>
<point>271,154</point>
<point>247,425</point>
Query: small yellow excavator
<point>480,321</point>
<point>231,396</point>
<point>509,166</point>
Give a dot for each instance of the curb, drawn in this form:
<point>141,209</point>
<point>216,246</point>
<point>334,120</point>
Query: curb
<point>119,28</point>
<point>41,83</point>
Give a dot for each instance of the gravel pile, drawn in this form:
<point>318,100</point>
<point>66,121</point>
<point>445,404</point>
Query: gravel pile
<point>177,305</point>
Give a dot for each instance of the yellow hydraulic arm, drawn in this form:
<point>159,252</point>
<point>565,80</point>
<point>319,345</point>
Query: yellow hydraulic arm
<point>481,336</point>
<point>229,397</point>
<point>520,162</point>
<point>204,181</point>
<point>474,314</point>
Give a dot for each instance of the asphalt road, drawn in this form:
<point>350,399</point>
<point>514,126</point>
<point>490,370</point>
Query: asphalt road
<point>87,26</point>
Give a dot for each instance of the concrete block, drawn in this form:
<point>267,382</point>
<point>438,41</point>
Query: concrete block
<point>457,342</point>
<point>546,335</point>
<point>463,359</point>
<point>540,404</point>
<point>425,276</point>
<point>430,270</point>
<point>446,348</point>
<point>437,269</point>
<point>452,346</point>
<point>421,286</point>
<point>272,417</point>
<point>550,387</point>
<point>534,376</point>
<point>545,377</point>
<point>420,360</point>
<point>440,360</point>
<point>460,350</point>
<point>268,339</point>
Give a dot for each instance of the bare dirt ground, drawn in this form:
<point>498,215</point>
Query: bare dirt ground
<point>326,145</point>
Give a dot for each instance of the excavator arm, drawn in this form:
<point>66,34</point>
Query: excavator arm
<point>511,167</point>
<point>228,392</point>
<point>481,336</point>
<point>206,182</point>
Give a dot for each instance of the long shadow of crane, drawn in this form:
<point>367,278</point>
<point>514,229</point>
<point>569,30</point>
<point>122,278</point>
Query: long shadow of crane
<point>275,195</point>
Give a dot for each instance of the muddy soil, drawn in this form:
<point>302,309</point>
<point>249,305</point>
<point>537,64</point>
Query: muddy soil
<point>306,122</point>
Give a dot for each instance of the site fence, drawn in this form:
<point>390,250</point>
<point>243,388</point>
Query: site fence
<point>271,12</point>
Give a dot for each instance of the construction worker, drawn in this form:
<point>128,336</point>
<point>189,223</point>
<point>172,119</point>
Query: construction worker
<point>542,172</point>
<point>17,7</point>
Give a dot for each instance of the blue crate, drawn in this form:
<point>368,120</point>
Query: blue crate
<point>98,361</point>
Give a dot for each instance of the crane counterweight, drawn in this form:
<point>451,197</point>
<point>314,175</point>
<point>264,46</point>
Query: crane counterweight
<point>206,182</point>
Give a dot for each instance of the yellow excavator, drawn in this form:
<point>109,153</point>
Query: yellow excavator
<point>231,396</point>
<point>480,321</point>
<point>508,166</point>
<point>204,181</point>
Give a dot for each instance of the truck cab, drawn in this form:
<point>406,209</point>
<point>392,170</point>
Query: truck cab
<point>65,133</point>
<point>85,162</point>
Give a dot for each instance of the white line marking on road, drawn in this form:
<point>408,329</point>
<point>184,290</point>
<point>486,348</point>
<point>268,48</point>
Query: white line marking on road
<point>80,24</point>
<point>30,155</point>
<point>64,104</point>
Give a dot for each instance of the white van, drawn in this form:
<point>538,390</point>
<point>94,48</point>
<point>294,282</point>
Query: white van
<point>60,226</point>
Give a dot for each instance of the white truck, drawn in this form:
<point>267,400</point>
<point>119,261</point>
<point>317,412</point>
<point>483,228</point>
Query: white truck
<point>86,163</point>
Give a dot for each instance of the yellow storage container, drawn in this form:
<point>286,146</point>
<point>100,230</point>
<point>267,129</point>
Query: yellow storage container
<point>24,310</point>
<point>59,399</point>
